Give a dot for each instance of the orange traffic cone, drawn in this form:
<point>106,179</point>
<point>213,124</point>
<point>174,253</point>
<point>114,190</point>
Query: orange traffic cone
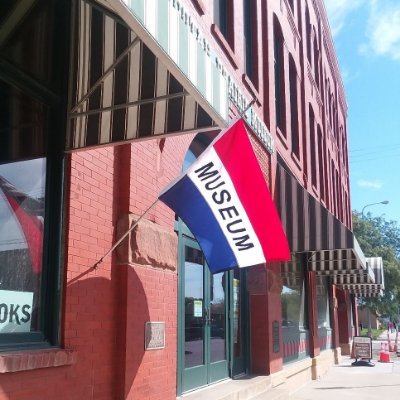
<point>384,355</point>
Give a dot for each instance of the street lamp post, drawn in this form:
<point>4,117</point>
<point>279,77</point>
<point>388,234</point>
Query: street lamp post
<point>362,216</point>
<point>373,204</point>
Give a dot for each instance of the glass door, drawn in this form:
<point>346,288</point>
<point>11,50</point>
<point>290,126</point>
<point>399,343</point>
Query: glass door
<point>203,321</point>
<point>239,347</point>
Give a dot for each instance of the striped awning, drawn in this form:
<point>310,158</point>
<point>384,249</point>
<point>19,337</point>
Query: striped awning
<point>331,248</point>
<point>376,264</point>
<point>362,286</point>
<point>122,91</point>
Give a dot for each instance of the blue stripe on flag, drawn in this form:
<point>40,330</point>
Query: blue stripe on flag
<point>185,199</point>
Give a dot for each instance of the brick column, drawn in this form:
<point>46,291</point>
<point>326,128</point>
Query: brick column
<point>344,320</point>
<point>265,288</point>
<point>355,314</point>
<point>312,313</point>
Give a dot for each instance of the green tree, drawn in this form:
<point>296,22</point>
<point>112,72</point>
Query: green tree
<point>381,238</point>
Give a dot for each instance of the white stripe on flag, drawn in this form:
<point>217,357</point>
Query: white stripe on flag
<point>233,209</point>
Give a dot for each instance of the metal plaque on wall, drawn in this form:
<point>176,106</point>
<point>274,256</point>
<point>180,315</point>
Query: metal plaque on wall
<point>154,335</point>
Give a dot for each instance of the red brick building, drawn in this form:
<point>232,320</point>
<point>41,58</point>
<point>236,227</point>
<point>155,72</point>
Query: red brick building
<point>103,104</point>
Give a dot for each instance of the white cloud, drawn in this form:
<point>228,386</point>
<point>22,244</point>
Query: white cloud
<point>348,75</point>
<point>339,10</point>
<point>383,30</point>
<point>369,184</point>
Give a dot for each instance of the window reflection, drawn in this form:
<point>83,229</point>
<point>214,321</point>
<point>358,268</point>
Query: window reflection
<point>217,320</point>
<point>194,307</point>
<point>323,302</point>
<point>237,337</point>
<point>22,188</point>
<point>293,297</point>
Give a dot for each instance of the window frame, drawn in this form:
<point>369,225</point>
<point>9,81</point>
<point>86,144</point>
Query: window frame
<point>294,107</point>
<point>279,75</point>
<point>250,40</point>
<point>223,19</point>
<point>49,334</point>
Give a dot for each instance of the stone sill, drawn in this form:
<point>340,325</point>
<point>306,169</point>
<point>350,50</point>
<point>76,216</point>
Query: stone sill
<point>35,359</point>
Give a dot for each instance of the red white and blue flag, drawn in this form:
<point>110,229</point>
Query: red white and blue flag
<point>225,202</point>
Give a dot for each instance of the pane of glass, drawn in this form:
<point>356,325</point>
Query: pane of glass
<point>293,301</point>
<point>323,302</point>
<point>23,123</point>
<point>237,340</point>
<point>194,307</point>
<point>27,36</point>
<point>22,189</point>
<point>218,317</point>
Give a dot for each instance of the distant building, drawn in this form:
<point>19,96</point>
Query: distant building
<point>103,103</point>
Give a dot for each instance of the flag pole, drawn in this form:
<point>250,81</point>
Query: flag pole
<point>242,114</point>
<point>95,266</point>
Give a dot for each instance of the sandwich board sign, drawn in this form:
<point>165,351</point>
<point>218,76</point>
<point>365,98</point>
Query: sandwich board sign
<point>362,350</point>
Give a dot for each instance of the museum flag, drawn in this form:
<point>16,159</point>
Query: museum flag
<point>225,202</point>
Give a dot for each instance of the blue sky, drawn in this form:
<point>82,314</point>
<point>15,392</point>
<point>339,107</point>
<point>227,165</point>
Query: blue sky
<point>367,41</point>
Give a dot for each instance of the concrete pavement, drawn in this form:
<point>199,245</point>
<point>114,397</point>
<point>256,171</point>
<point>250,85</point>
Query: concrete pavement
<point>345,381</point>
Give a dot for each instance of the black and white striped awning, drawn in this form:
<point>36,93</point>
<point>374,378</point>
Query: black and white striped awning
<point>331,248</point>
<point>121,91</point>
<point>376,264</point>
<point>327,246</point>
<point>362,285</point>
<point>292,273</point>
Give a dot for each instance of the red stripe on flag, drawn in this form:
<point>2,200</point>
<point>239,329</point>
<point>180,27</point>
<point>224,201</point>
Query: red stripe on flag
<point>236,152</point>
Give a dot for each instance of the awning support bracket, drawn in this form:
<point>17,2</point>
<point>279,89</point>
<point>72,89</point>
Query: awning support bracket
<point>105,75</point>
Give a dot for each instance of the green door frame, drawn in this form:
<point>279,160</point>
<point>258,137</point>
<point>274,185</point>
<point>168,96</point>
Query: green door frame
<point>194,377</point>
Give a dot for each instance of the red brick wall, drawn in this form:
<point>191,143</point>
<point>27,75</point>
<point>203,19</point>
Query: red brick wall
<point>106,309</point>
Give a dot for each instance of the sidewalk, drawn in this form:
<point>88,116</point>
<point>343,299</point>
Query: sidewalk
<point>345,381</point>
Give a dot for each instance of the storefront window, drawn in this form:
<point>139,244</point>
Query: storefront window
<point>293,293</point>
<point>324,324</point>
<point>33,98</point>
<point>22,193</point>
<point>294,313</point>
<point>323,302</point>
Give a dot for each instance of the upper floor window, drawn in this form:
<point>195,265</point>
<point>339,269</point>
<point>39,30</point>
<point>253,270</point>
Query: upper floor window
<point>250,38</point>
<point>344,148</point>
<point>223,18</point>
<point>312,146</point>
<point>333,189</point>
<point>321,163</point>
<point>279,70</point>
<point>294,113</point>
<point>308,34</point>
<point>316,61</point>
